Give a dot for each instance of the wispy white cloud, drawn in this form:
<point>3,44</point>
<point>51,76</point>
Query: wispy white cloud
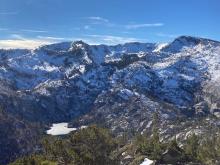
<point>8,13</point>
<point>98,19</point>
<point>166,35</point>
<point>33,31</point>
<point>105,22</point>
<point>126,32</point>
<point>22,44</point>
<point>136,26</point>
<point>16,36</point>
<point>109,39</point>
<point>94,39</point>
<point>87,27</point>
<point>3,29</point>
<point>18,41</point>
<point>51,38</point>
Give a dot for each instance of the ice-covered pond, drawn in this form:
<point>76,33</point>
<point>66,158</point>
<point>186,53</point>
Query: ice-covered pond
<point>60,129</point>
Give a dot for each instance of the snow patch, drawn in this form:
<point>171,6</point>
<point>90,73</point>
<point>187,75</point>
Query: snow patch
<point>60,129</point>
<point>159,47</point>
<point>147,162</point>
<point>126,94</point>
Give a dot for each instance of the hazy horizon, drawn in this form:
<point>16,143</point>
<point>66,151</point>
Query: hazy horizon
<point>30,23</point>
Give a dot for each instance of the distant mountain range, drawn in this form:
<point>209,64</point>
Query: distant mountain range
<point>119,86</point>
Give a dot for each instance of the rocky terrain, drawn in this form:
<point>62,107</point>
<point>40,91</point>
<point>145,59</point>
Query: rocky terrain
<point>17,137</point>
<point>119,86</point>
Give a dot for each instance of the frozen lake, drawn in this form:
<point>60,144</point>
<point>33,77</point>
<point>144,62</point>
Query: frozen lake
<point>60,129</point>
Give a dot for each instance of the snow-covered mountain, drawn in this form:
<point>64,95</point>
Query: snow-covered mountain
<point>121,85</point>
<point>61,81</point>
<point>71,73</point>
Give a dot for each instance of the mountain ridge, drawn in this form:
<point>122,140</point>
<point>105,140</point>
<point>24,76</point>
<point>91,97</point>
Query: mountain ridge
<point>119,86</point>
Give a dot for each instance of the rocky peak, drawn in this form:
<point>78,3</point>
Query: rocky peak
<point>183,42</point>
<point>76,45</point>
<point>63,46</point>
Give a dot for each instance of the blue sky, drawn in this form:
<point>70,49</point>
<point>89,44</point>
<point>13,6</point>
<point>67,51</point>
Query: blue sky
<point>28,23</point>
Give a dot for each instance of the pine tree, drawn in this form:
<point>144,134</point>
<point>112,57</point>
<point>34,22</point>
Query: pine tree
<point>192,146</point>
<point>155,123</point>
<point>157,151</point>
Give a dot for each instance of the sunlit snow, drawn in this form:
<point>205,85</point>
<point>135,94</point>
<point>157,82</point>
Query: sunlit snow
<point>60,129</point>
<point>147,162</point>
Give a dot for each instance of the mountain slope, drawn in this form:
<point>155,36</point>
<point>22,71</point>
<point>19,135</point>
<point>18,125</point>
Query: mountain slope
<point>119,86</point>
<point>56,77</point>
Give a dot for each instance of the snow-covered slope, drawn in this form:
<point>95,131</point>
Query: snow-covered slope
<point>67,79</point>
<point>119,86</point>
